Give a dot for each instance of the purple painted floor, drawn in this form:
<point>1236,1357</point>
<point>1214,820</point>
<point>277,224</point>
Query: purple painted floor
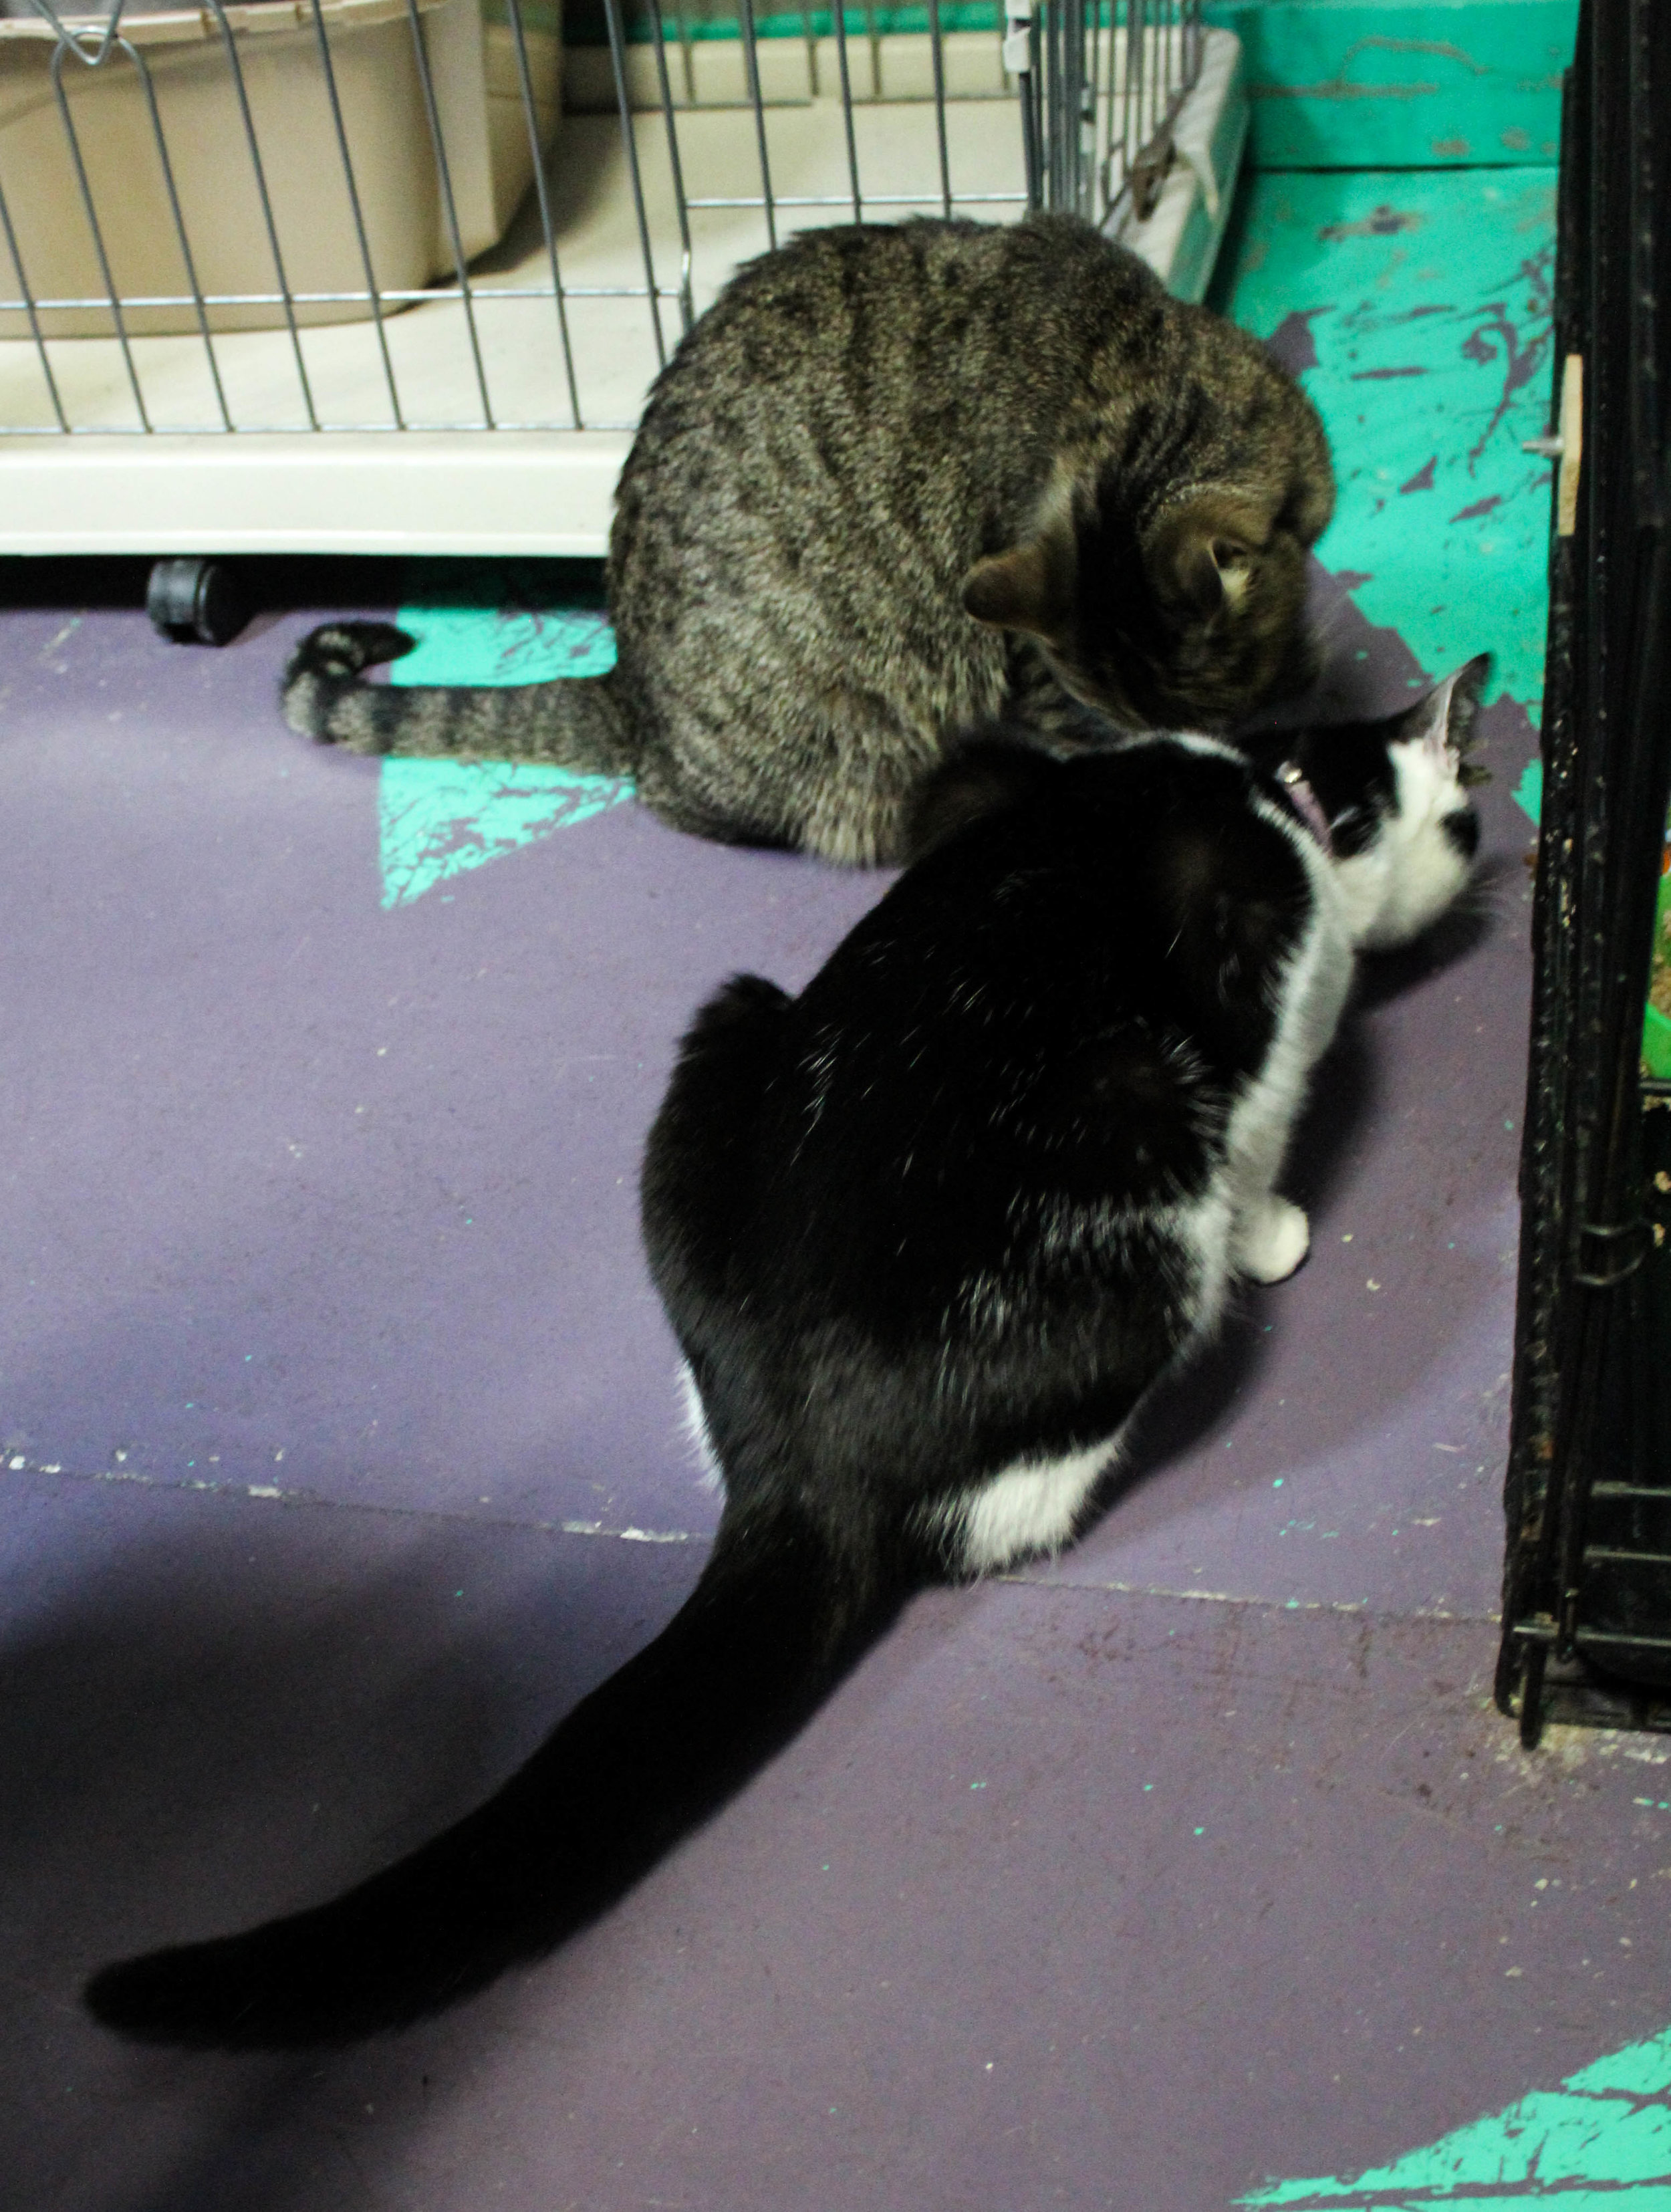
<point>337,1409</point>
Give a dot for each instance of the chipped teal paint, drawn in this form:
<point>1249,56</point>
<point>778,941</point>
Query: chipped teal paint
<point>439,817</point>
<point>502,622</point>
<point>1603,2138</point>
<point>1390,84</point>
<point>1421,301</point>
<point>1528,792</point>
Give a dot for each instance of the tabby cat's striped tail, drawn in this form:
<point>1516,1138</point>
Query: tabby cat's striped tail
<point>572,723</point>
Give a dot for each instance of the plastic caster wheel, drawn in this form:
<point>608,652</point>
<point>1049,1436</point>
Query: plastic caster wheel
<point>195,602</point>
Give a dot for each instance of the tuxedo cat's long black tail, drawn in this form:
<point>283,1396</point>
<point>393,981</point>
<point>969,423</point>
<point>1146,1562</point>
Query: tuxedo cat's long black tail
<point>572,723</point>
<point>773,1623</point>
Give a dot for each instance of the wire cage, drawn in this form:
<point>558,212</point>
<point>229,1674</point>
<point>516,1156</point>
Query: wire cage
<point>281,230</point>
<point>1587,1603</point>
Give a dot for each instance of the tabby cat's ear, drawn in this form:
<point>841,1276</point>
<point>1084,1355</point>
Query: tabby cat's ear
<point>1202,555</point>
<point>1029,589</point>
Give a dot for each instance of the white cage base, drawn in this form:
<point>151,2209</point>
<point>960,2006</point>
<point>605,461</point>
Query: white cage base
<point>445,483</point>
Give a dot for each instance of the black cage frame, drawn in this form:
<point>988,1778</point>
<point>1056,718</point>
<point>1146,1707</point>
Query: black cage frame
<point>1587,1589</point>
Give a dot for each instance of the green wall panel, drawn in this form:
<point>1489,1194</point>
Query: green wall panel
<point>1417,310</point>
<point>1358,84</point>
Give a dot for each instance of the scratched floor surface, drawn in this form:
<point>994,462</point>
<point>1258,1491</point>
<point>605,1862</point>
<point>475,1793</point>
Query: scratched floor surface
<point>342,1453</point>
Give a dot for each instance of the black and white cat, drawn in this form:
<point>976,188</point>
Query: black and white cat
<point>926,1234</point>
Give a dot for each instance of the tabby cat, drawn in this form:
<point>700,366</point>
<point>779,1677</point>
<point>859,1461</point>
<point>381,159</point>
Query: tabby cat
<point>898,480</point>
<point>926,1234</point>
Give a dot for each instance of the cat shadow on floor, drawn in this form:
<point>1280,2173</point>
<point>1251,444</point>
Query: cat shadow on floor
<point>224,1703</point>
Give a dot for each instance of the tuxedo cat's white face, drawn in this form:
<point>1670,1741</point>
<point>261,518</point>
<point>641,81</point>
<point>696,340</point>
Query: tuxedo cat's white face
<point>1422,852</point>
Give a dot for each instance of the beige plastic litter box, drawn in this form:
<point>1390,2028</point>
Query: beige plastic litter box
<point>154,141</point>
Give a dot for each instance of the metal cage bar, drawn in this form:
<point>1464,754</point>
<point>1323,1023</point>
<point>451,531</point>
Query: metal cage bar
<point>42,357</point>
<point>235,72</point>
<point>449,208</point>
<point>374,299</point>
<point>73,140</point>
<point>1093,87</point>
<point>542,199</point>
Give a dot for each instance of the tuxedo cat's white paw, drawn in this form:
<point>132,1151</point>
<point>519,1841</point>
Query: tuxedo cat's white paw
<point>1273,1238</point>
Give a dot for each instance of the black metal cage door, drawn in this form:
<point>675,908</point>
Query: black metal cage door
<point>1587,1597</point>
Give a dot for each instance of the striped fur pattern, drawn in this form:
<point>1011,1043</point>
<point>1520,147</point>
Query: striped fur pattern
<point>898,480</point>
<point>573,724</point>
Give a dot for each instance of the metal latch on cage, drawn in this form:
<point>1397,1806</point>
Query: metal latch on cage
<point>1566,445</point>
